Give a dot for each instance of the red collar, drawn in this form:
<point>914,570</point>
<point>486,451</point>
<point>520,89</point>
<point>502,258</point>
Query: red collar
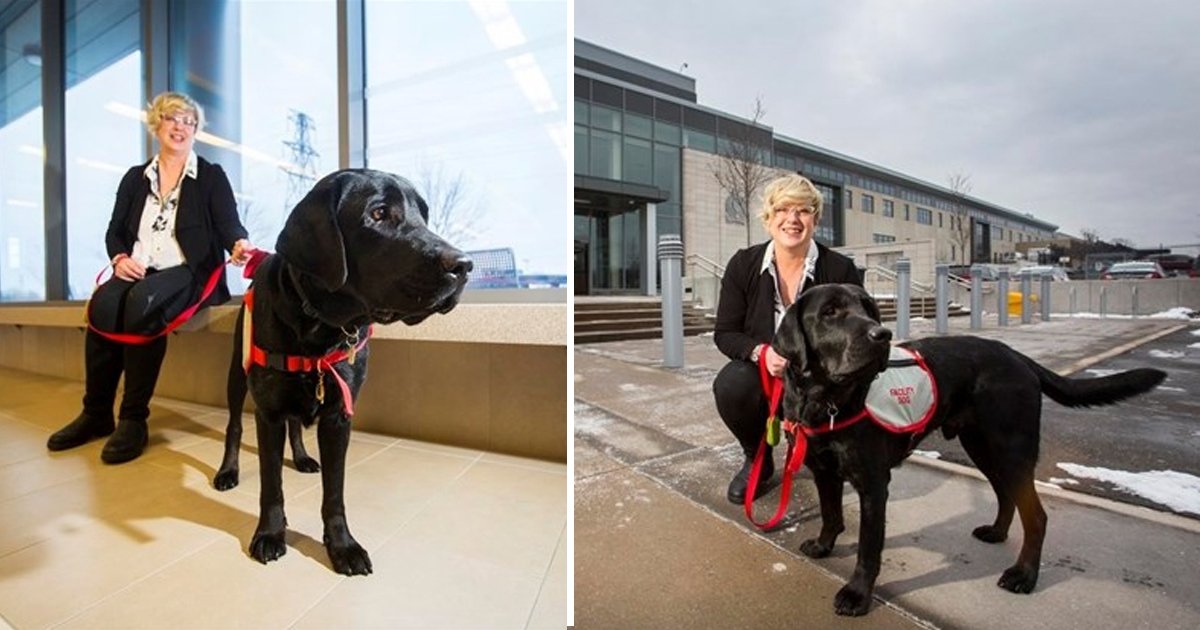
<point>254,355</point>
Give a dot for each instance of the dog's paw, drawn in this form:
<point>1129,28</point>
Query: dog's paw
<point>349,558</point>
<point>814,549</point>
<point>989,534</point>
<point>1018,579</point>
<point>307,465</point>
<point>225,479</point>
<point>851,601</point>
<point>267,547</point>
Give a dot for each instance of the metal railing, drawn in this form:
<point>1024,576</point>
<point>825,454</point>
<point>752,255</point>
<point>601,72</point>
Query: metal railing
<point>712,274</point>
<point>923,294</point>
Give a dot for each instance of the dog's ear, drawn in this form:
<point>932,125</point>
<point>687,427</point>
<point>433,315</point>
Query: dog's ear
<point>311,240</point>
<point>422,207</point>
<point>789,341</point>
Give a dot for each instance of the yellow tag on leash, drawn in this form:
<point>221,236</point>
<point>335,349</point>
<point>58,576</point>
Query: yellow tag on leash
<point>773,430</point>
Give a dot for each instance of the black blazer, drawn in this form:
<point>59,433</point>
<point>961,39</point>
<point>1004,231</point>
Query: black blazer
<point>206,223</point>
<point>746,312</point>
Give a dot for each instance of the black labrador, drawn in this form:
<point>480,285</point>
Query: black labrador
<point>988,395</point>
<point>355,251</point>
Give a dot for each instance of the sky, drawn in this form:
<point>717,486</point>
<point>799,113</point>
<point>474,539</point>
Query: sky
<point>1084,113</point>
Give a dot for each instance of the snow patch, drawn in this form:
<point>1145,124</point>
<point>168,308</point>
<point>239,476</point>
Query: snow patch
<point>630,387</point>
<point>1194,345</point>
<point>1167,388</point>
<point>1063,481</point>
<point>1100,372</point>
<point>1167,354</point>
<point>929,454</point>
<point>1176,490</point>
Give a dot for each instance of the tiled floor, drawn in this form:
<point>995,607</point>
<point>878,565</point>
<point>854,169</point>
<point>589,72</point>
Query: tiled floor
<point>458,538</point>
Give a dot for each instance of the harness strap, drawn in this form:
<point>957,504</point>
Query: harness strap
<point>294,363</point>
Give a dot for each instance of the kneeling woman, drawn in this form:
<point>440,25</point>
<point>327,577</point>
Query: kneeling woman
<point>173,221</point>
<point>759,284</point>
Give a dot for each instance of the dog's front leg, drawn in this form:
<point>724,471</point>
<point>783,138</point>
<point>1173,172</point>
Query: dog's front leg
<point>855,597</point>
<point>268,543</point>
<point>333,438</point>
<point>829,490</point>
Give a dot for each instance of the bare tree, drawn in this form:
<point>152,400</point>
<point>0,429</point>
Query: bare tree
<point>960,217</point>
<point>453,212</point>
<point>741,170</point>
<point>1090,236</point>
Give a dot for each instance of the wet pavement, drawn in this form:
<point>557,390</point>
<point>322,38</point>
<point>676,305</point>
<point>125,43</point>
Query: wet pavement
<point>656,542</point>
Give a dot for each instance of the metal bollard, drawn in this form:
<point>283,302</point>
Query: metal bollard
<point>976,297</point>
<point>1074,303</point>
<point>1026,307</point>
<point>1045,297</point>
<point>1002,289</point>
<point>1103,302</point>
<point>1133,309</point>
<point>670,257</point>
<point>942,300</point>
<point>903,300</point>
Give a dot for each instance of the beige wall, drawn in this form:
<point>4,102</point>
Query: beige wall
<point>502,397</point>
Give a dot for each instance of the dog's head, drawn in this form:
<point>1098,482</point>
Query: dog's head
<point>832,339</point>
<point>362,234</point>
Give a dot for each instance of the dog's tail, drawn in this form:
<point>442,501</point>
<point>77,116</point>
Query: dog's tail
<point>1090,392</point>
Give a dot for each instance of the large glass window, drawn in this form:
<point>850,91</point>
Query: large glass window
<point>477,94</point>
<point>270,97</point>
<point>104,134</point>
<point>22,240</point>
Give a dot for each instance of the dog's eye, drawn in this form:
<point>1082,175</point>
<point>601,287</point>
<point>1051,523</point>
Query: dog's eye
<point>379,214</point>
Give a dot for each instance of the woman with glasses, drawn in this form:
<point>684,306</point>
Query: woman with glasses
<point>759,284</point>
<point>173,220</point>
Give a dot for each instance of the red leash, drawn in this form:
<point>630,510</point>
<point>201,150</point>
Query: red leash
<point>137,340</point>
<point>798,437</point>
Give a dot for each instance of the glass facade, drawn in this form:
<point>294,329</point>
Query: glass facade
<point>22,237</point>
<point>493,167</point>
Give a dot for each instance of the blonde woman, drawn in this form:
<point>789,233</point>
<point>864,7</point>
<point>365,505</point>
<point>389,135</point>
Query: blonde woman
<point>173,220</point>
<point>760,282</point>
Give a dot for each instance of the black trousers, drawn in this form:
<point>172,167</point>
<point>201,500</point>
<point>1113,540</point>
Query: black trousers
<point>741,403</point>
<point>136,307</point>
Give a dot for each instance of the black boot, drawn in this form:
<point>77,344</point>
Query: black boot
<point>737,486</point>
<point>127,443</point>
<point>80,431</point>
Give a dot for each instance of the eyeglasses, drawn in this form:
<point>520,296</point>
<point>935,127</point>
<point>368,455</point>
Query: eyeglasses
<point>183,120</point>
<point>800,211</point>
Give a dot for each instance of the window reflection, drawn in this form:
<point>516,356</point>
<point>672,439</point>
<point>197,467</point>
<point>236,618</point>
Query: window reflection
<point>22,241</point>
<point>469,101</point>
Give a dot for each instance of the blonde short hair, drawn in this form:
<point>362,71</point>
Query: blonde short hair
<point>791,190</point>
<point>169,104</point>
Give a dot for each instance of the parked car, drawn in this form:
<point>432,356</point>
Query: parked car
<point>1138,269</point>
<point>964,271</point>
<point>1056,273</point>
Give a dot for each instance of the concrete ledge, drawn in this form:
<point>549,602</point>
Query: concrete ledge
<point>534,324</point>
<point>485,376</point>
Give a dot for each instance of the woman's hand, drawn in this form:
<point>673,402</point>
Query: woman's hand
<point>241,252</point>
<point>775,363</point>
<point>128,269</point>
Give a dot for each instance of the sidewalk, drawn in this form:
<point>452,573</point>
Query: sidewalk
<point>657,544</point>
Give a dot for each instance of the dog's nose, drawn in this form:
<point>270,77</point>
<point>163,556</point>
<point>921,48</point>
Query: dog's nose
<point>457,263</point>
<point>879,334</point>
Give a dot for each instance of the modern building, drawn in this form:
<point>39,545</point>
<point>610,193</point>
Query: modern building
<point>646,153</point>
